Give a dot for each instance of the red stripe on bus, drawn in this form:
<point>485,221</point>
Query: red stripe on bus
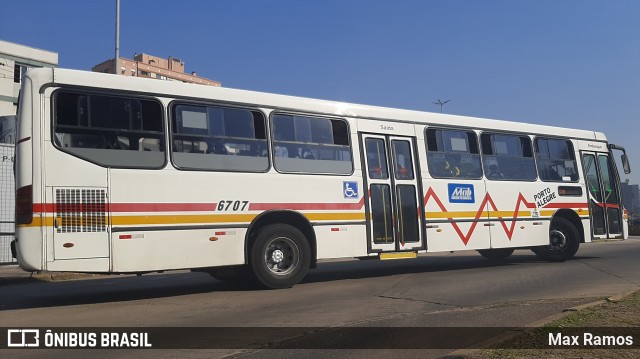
<point>24,140</point>
<point>125,207</point>
<point>487,201</point>
<point>191,207</point>
<point>43,207</point>
<point>616,206</point>
<point>71,207</point>
<point>163,207</point>
<point>307,206</point>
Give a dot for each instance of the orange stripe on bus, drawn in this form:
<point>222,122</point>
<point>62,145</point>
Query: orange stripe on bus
<point>119,220</point>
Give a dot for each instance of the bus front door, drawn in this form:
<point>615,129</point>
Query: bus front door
<point>393,206</point>
<point>605,209</point>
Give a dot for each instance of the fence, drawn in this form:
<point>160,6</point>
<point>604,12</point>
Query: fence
<point>7,203</point>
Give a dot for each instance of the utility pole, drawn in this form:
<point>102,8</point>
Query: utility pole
<point>116,60</point>
<point>441,103</point>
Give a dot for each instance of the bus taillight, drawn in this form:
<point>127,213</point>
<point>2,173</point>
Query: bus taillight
<point>24,205</point>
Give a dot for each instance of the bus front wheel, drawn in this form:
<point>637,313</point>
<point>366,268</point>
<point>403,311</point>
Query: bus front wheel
<point>280,256</point>
<point>564,241</point>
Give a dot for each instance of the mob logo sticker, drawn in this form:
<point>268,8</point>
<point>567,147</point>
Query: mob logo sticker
<point>461,193</point>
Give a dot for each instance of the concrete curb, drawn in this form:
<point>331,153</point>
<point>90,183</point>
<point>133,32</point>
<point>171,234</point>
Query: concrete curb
<point>463,353</point>
<point>619,297</point>
<point>47,277</point>
<point>38,277</point>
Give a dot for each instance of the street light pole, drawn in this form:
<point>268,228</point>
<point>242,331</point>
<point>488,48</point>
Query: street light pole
<point>115,61</point>
<point>441,103</point>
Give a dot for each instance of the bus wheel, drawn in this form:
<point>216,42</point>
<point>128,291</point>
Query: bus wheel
<point>564,241</point>
<point>496,254</point>
<point>280,256</point>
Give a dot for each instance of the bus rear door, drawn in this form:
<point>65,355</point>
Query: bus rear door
<point>393,207</point>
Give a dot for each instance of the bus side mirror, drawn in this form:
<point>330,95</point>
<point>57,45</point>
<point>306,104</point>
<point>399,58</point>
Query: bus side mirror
<point>625,163</point>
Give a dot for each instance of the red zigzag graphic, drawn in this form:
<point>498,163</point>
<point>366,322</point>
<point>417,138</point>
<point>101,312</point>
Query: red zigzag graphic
<point>487,199</point>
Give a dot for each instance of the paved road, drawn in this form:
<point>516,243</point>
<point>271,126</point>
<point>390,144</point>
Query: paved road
<point>457,289</point>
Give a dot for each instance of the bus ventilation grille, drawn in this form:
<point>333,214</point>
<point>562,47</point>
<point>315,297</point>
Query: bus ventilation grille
<point>81,210</point>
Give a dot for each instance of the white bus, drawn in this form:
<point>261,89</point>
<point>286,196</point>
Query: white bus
<point>125,175</point>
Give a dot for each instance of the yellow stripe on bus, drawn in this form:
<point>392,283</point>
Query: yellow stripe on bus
<point>509,214</point>
<point>223,218</point>
<point>248,218</point>
<point>467,214</point>
<point>335,216</point>
<point>199,219</point>
<point>181,219</point>
<point>494,214</point>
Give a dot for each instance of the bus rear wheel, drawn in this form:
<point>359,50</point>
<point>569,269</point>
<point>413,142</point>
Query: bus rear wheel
<point>564,241</point>
<point>280,256</point>
<point>496,254</point>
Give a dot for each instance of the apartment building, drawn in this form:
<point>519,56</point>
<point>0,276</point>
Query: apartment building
<point>144,65</point>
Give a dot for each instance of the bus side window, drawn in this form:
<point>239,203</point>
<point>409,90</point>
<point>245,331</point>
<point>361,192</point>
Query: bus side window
<point>216,147</point>
<point>307,154</point>
<point>62,139</point>
<point>232,138</point>
<point>149,144</point>
<point>111,123</point>
<point>198,147</point>
<point>281,151</point>
<point>87,141</point>
<point>507,157</point>
<point>306,144</point>
<point>453,154</point>
<point>556,160</point>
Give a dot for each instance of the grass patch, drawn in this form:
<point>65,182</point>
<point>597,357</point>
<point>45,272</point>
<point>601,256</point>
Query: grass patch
<point>619,319</point>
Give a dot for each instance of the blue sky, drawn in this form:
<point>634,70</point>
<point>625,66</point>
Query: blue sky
<point>572,63</point>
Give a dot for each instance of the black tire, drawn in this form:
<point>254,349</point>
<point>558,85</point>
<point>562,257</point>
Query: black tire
<point>496,254</point>
<point>564,241</point>
<point>280,256</point>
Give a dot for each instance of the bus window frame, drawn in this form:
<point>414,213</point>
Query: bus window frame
<point>517,134</point>
<point>460,129</point>
<point>186,102</point>
<point>98,92</point>
<point>304,114</point>
<point>576,157</point>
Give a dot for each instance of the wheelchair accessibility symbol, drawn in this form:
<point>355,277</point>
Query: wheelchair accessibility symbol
<point>350,189</point>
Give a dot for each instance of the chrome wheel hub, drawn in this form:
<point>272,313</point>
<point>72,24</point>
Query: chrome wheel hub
<point>557,240</point>
<point>282,256</point>
<point>277,256</point>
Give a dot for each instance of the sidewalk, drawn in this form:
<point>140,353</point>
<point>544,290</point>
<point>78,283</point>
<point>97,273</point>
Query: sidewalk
<point>12,274</point>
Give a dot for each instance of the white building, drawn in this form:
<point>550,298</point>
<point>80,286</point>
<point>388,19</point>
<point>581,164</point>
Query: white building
<point>14,61</point>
